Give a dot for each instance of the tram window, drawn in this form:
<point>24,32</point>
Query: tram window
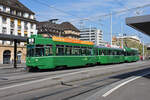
<point>100,52</point>
<point>105,53</point>
<point>118,52</point>
<point>88,51</point>
<point>39,51</point>
<point>75,51</point>
<point>128,54</point>
<point>30,52</point>
<point>91,51</point>
<point>109,52</point>
<point>115,53</point>
<point>83,51</point>
<point>68,51</point>
<point>96,51</point>
<point>59,50</point>
<point>122,53</point>
<point>48,50</point>
<point>80,51</point>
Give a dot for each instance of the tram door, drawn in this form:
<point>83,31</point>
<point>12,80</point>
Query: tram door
<point>6,57</point>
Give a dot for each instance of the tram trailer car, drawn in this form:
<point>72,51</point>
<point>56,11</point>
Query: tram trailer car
<point>47,53</point>
<point>131,54</point>
<point>110,55</point>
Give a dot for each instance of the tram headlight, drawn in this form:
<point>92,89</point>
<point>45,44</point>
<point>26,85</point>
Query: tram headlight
<point>31,40</point>
<point>36,60</point>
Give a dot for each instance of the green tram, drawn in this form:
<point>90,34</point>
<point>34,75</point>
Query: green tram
<point>50,53</point>
<point>131,54</point>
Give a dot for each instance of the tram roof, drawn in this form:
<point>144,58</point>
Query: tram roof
<point>140,23</point>
<point>109,48</point>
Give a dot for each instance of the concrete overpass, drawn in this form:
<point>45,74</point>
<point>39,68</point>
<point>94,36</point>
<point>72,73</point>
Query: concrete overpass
<point>140,23</point>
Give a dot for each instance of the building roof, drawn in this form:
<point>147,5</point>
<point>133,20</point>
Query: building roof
<point>140,23</point>
<point>15,4</point>
<point>47,25</point>
<point>68,26</point>
<point>132,37</point>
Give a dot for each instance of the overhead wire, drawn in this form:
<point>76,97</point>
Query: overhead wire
<point>90,19</point>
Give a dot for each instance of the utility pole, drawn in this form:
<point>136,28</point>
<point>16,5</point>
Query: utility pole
<point>90,32</point>
<point>111,27</point>
<point>81,24</point>
<point>143,51</point>
<point>122,35</point>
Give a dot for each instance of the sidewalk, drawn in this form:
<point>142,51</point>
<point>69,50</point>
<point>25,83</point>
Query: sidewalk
<point>10,66</point>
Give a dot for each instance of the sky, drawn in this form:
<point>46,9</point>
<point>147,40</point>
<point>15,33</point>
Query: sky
<point>91,13</point>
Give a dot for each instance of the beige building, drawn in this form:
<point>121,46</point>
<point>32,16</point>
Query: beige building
<point>117,40</point>
<point>17,20</point>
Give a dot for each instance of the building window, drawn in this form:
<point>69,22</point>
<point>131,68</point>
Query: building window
<point>4,9</point>
<point>29,16</point>
<point>12,12</point>
<point>19,28</point>
<point>19,34</point>
<point>31,26</point>
<point>25,26</point>
<point>4,20</point>
<point>12,24</point>
<point>4,30</point>
<point>18,43</point>
<point>31,33</point>
<point>19,22</point>
<point>3,42</point>
<point>11,31</point>
<point>25,35</point>
<point>18,13</point>
<point>11,42</point>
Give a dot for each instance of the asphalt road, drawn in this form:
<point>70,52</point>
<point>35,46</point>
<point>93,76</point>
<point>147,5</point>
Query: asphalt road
<point>109,82</point>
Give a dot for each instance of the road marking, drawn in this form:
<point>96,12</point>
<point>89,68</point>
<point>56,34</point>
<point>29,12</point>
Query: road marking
<point>63,75</point>
<point>122,84</point>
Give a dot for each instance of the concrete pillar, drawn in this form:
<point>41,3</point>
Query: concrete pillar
<point>22,31</point>
<point>22,28</point>
<point>16,27</point>
<point>1,24</point>
<point>34,28</point>
<point>8,28</point>
<point>29,29</point>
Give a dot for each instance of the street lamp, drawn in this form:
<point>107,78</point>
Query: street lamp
<point>111,27</point>
<point>143,51</point>
<point>143,47</point>
<point>122,35</point>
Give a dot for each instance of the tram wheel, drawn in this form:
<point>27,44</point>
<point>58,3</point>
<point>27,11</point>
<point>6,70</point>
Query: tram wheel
<point>29,69</point>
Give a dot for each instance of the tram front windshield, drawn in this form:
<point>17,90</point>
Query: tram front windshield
<point>35,51</point>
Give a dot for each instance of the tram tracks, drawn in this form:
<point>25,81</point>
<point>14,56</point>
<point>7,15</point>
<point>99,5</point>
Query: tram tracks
<point>5,81</point>
<point>74,91</point>
<point>78,89</point>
